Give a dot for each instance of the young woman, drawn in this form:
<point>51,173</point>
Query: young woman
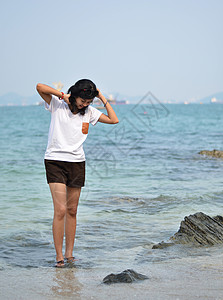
<point>65,158</point>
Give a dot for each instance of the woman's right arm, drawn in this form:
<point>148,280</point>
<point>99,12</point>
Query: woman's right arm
<point>46,92</point>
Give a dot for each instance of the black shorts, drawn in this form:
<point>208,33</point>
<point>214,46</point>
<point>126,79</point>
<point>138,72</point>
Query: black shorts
<point>72,174</point>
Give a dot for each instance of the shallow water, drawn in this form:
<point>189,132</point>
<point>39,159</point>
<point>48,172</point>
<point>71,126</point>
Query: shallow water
<point>143,176</point>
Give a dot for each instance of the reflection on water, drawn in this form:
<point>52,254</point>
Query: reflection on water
<point>65,283</point>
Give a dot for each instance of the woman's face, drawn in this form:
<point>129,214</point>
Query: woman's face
<point>83,102</point>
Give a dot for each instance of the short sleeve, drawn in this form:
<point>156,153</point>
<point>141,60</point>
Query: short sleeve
<point>54,104</point>
<point>94,115</point>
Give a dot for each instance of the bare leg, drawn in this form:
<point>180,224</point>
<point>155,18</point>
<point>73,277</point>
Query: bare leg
<point>73,195</point>
<point>58,191</point>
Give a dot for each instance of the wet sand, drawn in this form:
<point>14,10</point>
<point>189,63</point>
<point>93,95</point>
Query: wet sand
<point>186,278</point>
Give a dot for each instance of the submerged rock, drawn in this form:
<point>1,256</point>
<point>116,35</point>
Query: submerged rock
<point>198,229</point>
<point>126,276</point>
<point>213,153</point>
<point>162,245</point>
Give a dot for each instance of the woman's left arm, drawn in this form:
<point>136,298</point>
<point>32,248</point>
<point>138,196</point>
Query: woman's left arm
<point>111,117</point>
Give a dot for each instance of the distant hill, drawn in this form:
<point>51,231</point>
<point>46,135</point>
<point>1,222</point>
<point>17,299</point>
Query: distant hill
<point>15,99</point>
<point>215,98</point>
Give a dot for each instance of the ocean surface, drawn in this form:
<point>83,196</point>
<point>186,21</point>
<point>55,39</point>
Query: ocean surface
<point>144,175</point>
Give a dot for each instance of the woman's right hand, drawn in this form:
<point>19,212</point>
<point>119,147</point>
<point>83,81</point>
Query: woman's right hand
<point>66,98</point>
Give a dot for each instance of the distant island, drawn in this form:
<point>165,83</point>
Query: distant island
<point>215,98</point>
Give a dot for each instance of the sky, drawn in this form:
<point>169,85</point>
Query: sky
<point>172,48</point>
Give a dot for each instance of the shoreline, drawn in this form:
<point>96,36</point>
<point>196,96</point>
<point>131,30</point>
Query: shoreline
<point>186,278</point>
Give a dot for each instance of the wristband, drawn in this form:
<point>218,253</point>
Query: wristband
<point>62,96</point>
<point>106,103</point>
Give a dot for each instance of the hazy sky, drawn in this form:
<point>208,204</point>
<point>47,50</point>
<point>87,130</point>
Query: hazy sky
<point>172,48</point>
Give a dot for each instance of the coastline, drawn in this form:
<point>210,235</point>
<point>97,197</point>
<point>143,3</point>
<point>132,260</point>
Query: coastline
<point>186,278</point>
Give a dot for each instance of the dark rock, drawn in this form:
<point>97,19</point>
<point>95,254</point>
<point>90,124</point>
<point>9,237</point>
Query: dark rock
<point>126,276</point>
<point>213,153</point>
<point>199,230</point>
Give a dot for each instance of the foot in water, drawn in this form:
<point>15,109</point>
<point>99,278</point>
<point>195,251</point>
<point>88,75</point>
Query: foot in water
<point>71,259</point>
<point>60,264</point>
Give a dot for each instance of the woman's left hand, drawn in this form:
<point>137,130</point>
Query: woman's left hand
<point>99,94</point>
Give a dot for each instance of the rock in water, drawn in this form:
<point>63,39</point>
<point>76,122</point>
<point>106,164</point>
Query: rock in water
<point>126,276</point>
<point>214,153</point>
<point>198,229</point>
<point>162,245</point>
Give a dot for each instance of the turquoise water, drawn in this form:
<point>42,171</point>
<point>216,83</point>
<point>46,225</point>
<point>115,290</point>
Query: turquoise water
<point>143,176</point>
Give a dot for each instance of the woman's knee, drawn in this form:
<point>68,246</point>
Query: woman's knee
<point>60,212</point>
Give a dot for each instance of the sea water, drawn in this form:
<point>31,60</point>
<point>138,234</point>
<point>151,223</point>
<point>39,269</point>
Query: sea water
<point>144,175</point>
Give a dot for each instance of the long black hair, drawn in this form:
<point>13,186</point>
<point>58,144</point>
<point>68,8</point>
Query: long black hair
<point>85,89</point>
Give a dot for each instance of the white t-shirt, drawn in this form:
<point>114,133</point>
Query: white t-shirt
<point>67,131</point>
